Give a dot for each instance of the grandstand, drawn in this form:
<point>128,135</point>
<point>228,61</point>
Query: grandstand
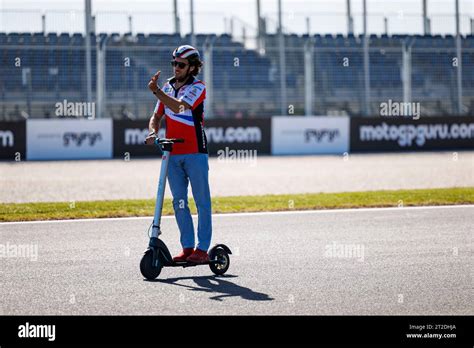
<point>39,69</point>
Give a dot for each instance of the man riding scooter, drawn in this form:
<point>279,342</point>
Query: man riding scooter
<point>181,101</point>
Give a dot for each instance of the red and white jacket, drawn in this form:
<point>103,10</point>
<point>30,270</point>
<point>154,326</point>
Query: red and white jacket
<point>188,124</point>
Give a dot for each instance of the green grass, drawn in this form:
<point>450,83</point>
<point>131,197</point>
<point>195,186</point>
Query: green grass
<point>137,207</point>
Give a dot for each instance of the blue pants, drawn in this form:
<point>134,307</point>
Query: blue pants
<point>193,168</point>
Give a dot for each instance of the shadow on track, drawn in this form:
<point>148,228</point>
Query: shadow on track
<point>218,284</point>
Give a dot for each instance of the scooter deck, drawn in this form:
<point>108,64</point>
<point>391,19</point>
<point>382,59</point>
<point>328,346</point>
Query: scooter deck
<point>190,264</point>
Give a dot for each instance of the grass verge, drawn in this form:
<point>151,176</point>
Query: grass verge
<point>237,204</point>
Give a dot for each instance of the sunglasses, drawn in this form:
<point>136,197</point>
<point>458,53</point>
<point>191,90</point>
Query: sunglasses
<point>178,64</point>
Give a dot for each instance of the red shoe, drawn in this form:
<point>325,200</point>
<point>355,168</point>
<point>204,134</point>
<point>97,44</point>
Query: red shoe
<point>198,256</point>
<point>185,253</point>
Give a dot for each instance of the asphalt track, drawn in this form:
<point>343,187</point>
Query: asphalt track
<point>369,261</point>
<point>69,181</point>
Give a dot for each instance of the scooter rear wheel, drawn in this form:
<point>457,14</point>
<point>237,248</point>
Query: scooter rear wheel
<point>223,263</point>
<point>150,271</point>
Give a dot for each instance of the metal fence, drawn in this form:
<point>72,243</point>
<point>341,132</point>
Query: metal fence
<point>322,74</point>
<point>220,21</point>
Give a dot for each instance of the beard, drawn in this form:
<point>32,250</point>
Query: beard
<point>180,79</point>
<point>184,76</point>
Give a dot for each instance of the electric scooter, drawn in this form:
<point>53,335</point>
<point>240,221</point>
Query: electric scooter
<point>157,254</point>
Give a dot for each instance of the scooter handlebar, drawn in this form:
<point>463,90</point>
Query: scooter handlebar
<point>164,140</point>
<point>174,140</point>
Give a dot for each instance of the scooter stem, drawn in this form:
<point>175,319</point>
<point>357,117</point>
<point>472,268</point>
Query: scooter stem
<point>160,195</point>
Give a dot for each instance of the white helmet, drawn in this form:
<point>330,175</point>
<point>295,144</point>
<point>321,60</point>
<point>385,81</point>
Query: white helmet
<point>186,51</point>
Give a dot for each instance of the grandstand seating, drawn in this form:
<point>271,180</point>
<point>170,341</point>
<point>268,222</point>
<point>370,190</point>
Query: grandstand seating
<point>57,62</point>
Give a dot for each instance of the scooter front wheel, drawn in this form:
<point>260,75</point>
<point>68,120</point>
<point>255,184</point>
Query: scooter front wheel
<point>149,270</point>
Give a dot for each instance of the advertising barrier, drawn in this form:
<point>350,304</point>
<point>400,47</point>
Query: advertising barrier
<point>405,134</point>
<point>13,140</point>
<point>222,135</point>
<point>305,135</point>
<point>46,139</point>
<point>129,136</point>
<point>68,139</point>
<point>238,134</point>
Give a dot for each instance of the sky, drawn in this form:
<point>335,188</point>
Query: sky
<point>213,16</point>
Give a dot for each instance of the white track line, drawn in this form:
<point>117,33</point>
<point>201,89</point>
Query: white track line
<point>326,211</point>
